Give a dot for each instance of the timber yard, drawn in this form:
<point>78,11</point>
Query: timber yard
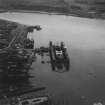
<point>51,60</point>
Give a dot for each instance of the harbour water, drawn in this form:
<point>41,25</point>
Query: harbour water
<point>84,83</point>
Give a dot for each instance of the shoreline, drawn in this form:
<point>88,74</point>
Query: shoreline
<point>49,13</point>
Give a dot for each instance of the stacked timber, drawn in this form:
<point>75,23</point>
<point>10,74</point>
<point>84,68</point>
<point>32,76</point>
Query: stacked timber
<point>12,32</point>
<point>13,53</point>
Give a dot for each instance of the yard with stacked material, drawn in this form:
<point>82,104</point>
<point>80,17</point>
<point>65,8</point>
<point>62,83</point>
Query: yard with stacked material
<point>13,54</point>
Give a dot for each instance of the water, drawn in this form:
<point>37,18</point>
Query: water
<point>84,84</point>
